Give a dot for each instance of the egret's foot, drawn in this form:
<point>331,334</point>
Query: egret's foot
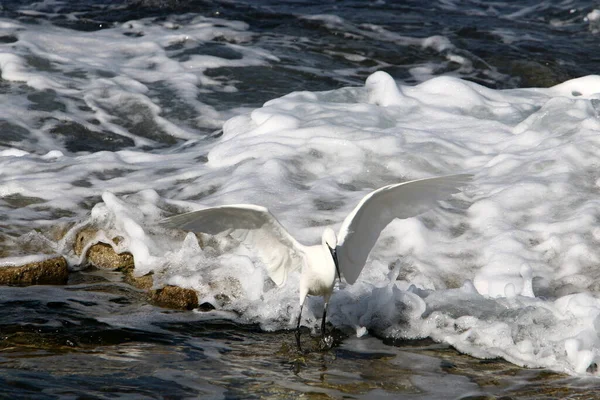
<point>326,342</point>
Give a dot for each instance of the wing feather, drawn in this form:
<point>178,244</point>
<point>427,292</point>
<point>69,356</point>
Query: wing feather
<point>252,224</point>
<point>361,228</point>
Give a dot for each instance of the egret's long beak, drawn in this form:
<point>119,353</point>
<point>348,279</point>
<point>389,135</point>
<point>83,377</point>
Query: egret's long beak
<point>335,261</point>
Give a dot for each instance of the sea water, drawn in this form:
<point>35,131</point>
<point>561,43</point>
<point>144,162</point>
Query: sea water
<point>119,115</point>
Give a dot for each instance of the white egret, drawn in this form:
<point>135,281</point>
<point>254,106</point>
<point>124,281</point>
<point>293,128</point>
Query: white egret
<point>346,254</point>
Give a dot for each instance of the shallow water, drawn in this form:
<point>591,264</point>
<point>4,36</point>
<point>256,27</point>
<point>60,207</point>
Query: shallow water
<point>63,349</point>
<point>117,115</point>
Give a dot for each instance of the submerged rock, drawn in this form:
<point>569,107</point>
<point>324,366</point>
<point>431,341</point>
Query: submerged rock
<point>99,254</point>
<point>175,297</point>
<point>144,282</point>
<point>169,296</point>
<point>103,255</point>
<point>52,271</point>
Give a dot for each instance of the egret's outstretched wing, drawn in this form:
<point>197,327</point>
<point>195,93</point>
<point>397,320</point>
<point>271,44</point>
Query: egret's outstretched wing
<point>255,226</point>
<point>362,226</point>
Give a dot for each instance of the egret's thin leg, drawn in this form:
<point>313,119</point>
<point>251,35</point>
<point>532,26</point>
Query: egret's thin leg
<point>323,320</point>
<point>298,329</point>
<point>326,341</point>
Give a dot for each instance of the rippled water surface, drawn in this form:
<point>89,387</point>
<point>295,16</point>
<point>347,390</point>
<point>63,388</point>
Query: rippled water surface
<point>66,349</point>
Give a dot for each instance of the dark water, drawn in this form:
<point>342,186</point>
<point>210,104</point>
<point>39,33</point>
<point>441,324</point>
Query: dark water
<point>550,42</point>
<point>97,338</point>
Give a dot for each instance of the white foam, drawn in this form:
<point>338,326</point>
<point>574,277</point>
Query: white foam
<point>22,260</point>
<point>13,153</point>
<point>593,18</point>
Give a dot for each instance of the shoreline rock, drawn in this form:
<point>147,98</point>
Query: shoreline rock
<point>103,255</point>
<point>100,254</point>
<point>175,297</point>
<point>52,271</point>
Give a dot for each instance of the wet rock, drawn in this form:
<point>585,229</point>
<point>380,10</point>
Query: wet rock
<point>84,236</point>
<point>175,297</point>
<point>52,271</point>
<point>101,255</point>
<point>168,296</point>
<point>144,282</point>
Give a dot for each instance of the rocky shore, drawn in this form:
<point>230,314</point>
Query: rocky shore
<point>96,253</point>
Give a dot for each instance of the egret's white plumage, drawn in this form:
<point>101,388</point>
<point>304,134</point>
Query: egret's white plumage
<point>281,253</point>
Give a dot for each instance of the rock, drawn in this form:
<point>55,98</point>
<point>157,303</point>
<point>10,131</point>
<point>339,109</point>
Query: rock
<point>144,282</point>
<point>84,236</point>
<point>168,296</point>
<point>52,271</point>
<point>101,255</point>
<point>175,297</point>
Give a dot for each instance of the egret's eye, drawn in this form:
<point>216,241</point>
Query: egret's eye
<point>333,254</point>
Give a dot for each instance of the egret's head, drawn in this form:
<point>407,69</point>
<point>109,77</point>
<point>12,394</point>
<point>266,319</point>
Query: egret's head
<point>330,241</point>
<point>329,238</point>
